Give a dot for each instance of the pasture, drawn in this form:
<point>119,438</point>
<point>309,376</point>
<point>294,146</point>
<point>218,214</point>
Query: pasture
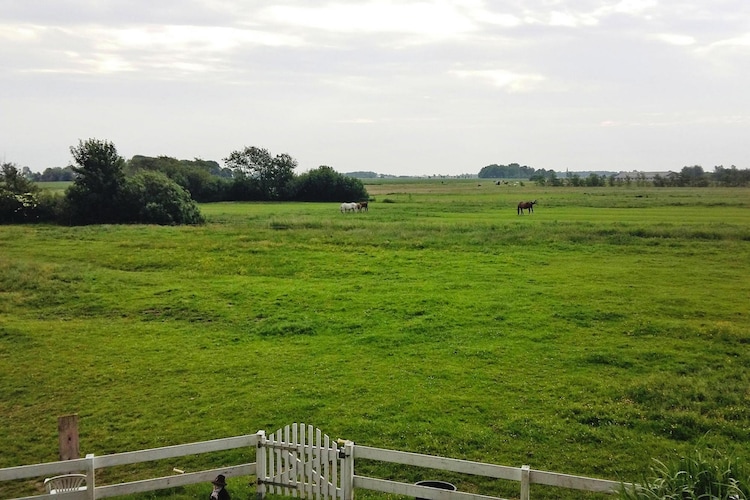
<point>609,327</point>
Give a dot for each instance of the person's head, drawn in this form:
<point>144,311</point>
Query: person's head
<point>220,481</point>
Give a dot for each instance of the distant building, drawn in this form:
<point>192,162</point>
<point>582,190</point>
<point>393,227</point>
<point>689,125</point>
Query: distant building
<point>644,176</point>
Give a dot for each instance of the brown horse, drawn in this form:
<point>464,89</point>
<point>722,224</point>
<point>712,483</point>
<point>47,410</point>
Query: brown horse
<point>529,205</point>
<point>363,206</point>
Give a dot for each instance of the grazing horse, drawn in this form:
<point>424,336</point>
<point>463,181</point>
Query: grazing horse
<point>529,205</point>
<point>348,207</point>
<point>362,206</point>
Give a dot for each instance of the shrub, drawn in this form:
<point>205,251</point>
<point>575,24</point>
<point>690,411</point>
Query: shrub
<point>19,197</point>
<point>695,476</point>
<point>153,198</point>
<point>52,207</point>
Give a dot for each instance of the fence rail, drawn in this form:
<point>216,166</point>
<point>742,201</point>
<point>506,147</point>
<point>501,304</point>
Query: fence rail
<point>524,475</point>
<point>313,458</point>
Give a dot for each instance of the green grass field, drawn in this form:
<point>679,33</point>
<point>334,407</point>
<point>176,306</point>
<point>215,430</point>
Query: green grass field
<point>608,328</point>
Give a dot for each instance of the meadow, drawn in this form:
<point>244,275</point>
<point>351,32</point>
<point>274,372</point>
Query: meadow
<point>608,328</point>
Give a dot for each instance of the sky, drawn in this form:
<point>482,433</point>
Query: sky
<point>410,87</point>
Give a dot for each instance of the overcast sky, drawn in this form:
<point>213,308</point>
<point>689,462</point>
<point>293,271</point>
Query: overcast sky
<point>397,87</point>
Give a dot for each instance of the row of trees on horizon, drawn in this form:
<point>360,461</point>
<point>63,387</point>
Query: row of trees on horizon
<point>181,169</point>
<point>693,176</point>
<point>108,189</point>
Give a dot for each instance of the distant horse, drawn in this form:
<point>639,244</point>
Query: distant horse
<point>348,207</point>
<point>362,206</point>
<point>529,205</point>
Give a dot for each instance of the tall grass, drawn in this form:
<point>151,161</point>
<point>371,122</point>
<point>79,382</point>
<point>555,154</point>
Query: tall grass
<point>696,476</point>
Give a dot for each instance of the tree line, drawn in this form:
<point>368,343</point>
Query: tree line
<point>511,171</point>
<point>689,176</point>
<point>162,190</point>
<point>693,176</point>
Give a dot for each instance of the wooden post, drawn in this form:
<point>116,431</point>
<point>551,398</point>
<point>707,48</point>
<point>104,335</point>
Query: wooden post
<point>67,432</point>
<point>260,465</point>
<point>525,482</point>
<point>347,470</point>
<point>90,469</point>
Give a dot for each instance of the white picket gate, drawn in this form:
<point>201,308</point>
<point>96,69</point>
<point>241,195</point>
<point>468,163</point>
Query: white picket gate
<point>300,461</point>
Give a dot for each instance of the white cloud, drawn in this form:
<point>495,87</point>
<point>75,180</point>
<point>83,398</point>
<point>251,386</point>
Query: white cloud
<point>570,20</point>
<point>20,33</point>
<point>358,121</point>
<point>438,19</point>
<point>739,42</point>
<point>190,38</point>
<point>635,7</point>
<point>507,80</point>
<point>98,49</point>
<point>727,56</point>
<point>675,39</point>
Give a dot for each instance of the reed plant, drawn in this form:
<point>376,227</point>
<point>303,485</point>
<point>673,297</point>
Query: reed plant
<point>699,475</point>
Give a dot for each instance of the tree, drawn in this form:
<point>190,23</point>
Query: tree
<point>594,180</point>
<point>14,180</point>
<point>693,176</point>
<point>272,175</point>
<point>325,184</point>
<point>18,195</point>
<point>511,171</point>
<point>57,174</point>
<point>95,195</point>
<point>731,176</point>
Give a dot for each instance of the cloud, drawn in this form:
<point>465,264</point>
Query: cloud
<point>358,121</point>
<point>675,39</point>
<point>507,80</point>
<point>635,7</point>
<point>727,56</point>
<point>344,81</point>
<point>741,42</point>
<point>571,20</point>
<point>96,49</point>
<point>433,19</point>
<point>189,38</point>
<point>20,33</point>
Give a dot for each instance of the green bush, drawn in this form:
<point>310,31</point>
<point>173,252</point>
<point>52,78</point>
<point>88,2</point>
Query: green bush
<point>52,207</point>
<point>695,476</point>
<point>152,198</point>
<point>19,197</point>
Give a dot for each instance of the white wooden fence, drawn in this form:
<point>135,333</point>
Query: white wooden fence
<point>297,461</point>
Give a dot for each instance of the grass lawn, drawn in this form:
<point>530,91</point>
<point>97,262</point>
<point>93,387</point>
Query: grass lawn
<point>609,327</point>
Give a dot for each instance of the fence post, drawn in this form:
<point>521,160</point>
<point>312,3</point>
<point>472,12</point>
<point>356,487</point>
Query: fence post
<point>525,482</point>
<point>67,436</point>
<point>90,477</point>
<point>260,466</point>
<point>347,470</point>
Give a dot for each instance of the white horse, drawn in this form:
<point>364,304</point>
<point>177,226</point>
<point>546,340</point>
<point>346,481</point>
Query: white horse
<point>348,207</point>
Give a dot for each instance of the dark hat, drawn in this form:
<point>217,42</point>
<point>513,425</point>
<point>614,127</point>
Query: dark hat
<point>219,481</point>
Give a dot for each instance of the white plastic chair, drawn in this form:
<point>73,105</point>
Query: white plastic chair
<point>66,482</point>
